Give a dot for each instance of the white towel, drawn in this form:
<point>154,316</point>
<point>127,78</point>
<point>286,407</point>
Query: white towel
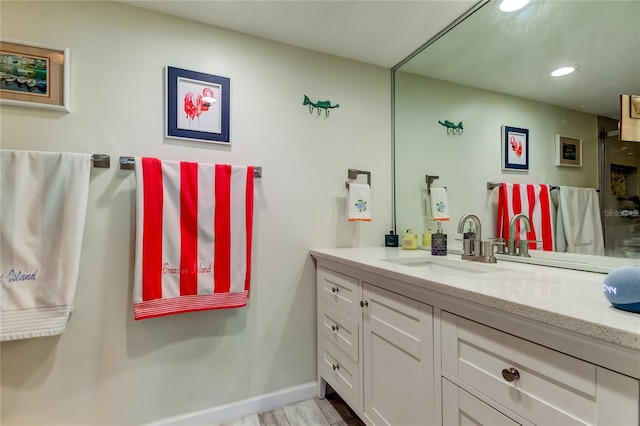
<point>359,202</point>
<point>580,229</point>
<point>43,203</point>
<point>194,226</point>
<point>439,204</point>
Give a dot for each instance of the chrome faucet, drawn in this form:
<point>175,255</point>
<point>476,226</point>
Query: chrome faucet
<point>476,222</point>
<point>476,249</point>
<point>523,250</point>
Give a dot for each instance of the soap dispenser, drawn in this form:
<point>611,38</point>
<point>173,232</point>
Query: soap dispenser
<point>439,242</point>
<point>410,240</point>
<point>391,239</point>
<point>426,238</point>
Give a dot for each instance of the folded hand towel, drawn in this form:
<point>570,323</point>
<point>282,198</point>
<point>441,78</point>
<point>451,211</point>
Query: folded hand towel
<point>439,204</point>
<point>359,202</point>
<point>534,201</point>
<point>43,199</point>
<point>193,237</point>
<point>579,213</point>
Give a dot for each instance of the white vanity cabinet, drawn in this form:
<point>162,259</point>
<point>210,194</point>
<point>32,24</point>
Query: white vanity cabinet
<point>403,350</point>
<point>375,348</point>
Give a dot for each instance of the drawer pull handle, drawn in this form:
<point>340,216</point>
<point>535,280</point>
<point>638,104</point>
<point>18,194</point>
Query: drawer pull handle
<point>335,367</point>
<point>511,374</point>
<point>334,289</point>
<point>363,303</point>
<point>335,327</point>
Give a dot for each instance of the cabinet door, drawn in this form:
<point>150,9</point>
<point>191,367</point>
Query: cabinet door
<point>461,408</point>
<point>398,359</point>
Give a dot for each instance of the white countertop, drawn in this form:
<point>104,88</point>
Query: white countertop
<point>568,299</point>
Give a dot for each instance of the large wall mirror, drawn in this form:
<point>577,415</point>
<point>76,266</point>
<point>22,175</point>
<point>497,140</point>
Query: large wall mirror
<point>493,69</point>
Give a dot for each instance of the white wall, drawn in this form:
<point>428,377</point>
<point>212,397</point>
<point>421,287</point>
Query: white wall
<point>108,369</point>
<point>465,163</point>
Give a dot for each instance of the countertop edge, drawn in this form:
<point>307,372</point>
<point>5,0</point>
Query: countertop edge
<point>598,331</point>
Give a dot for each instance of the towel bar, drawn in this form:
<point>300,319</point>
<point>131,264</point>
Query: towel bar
<point>129,163</point>
<point>101,161</point>
<point>429,180</point>
<point>491,185</point>
<point>353,174</point>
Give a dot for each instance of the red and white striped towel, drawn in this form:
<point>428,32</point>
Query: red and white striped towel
<point>194,226</point>
<point>535,202</point>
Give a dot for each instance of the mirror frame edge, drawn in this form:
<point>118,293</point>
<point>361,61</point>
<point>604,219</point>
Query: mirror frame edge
<point>394,69</point>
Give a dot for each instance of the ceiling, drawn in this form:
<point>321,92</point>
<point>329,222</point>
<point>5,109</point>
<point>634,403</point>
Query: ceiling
<point>512,55</point>
<point>376,32</point>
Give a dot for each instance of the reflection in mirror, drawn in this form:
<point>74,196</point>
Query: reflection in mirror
<point>493,69</point>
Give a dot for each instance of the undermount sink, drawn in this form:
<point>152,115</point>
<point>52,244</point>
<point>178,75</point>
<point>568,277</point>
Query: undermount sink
<point>442,265</point>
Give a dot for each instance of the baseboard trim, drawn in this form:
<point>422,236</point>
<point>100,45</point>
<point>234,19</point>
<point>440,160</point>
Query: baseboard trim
<point>243,408</point>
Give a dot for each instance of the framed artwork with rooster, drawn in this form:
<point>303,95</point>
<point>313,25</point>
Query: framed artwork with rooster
<point>197,106</point>
<point>515,148</point>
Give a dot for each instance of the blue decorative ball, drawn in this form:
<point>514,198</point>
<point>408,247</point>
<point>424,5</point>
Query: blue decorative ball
<point>622,288</point>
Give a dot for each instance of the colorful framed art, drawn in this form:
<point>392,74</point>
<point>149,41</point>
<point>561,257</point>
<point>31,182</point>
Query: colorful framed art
<point>197,106</point>
<point>34,76</point>
<point>515,148</point>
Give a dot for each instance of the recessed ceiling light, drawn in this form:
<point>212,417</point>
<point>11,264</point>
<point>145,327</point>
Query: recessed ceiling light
<point>564,70</point>
<point>512,5</point>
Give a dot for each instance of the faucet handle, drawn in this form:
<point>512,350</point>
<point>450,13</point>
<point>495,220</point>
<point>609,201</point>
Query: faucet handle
<point>500,243</point>
<point>488,251</point>
<point>524,247</point>
<point>496,240</point>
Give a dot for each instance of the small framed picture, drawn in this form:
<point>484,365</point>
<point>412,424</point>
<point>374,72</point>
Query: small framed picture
<point>515,148</point>
<point>630,118</point>
<point>34,76</point>
<point>197,106</point>
<point>634,107</point>
<point>568,151</point>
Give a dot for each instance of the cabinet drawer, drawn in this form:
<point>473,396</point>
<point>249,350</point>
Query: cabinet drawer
<point>340,372</point>
<point>552,388</point>
<point>339,291</point>
<point>461,408</point>
<point>339,329</point>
